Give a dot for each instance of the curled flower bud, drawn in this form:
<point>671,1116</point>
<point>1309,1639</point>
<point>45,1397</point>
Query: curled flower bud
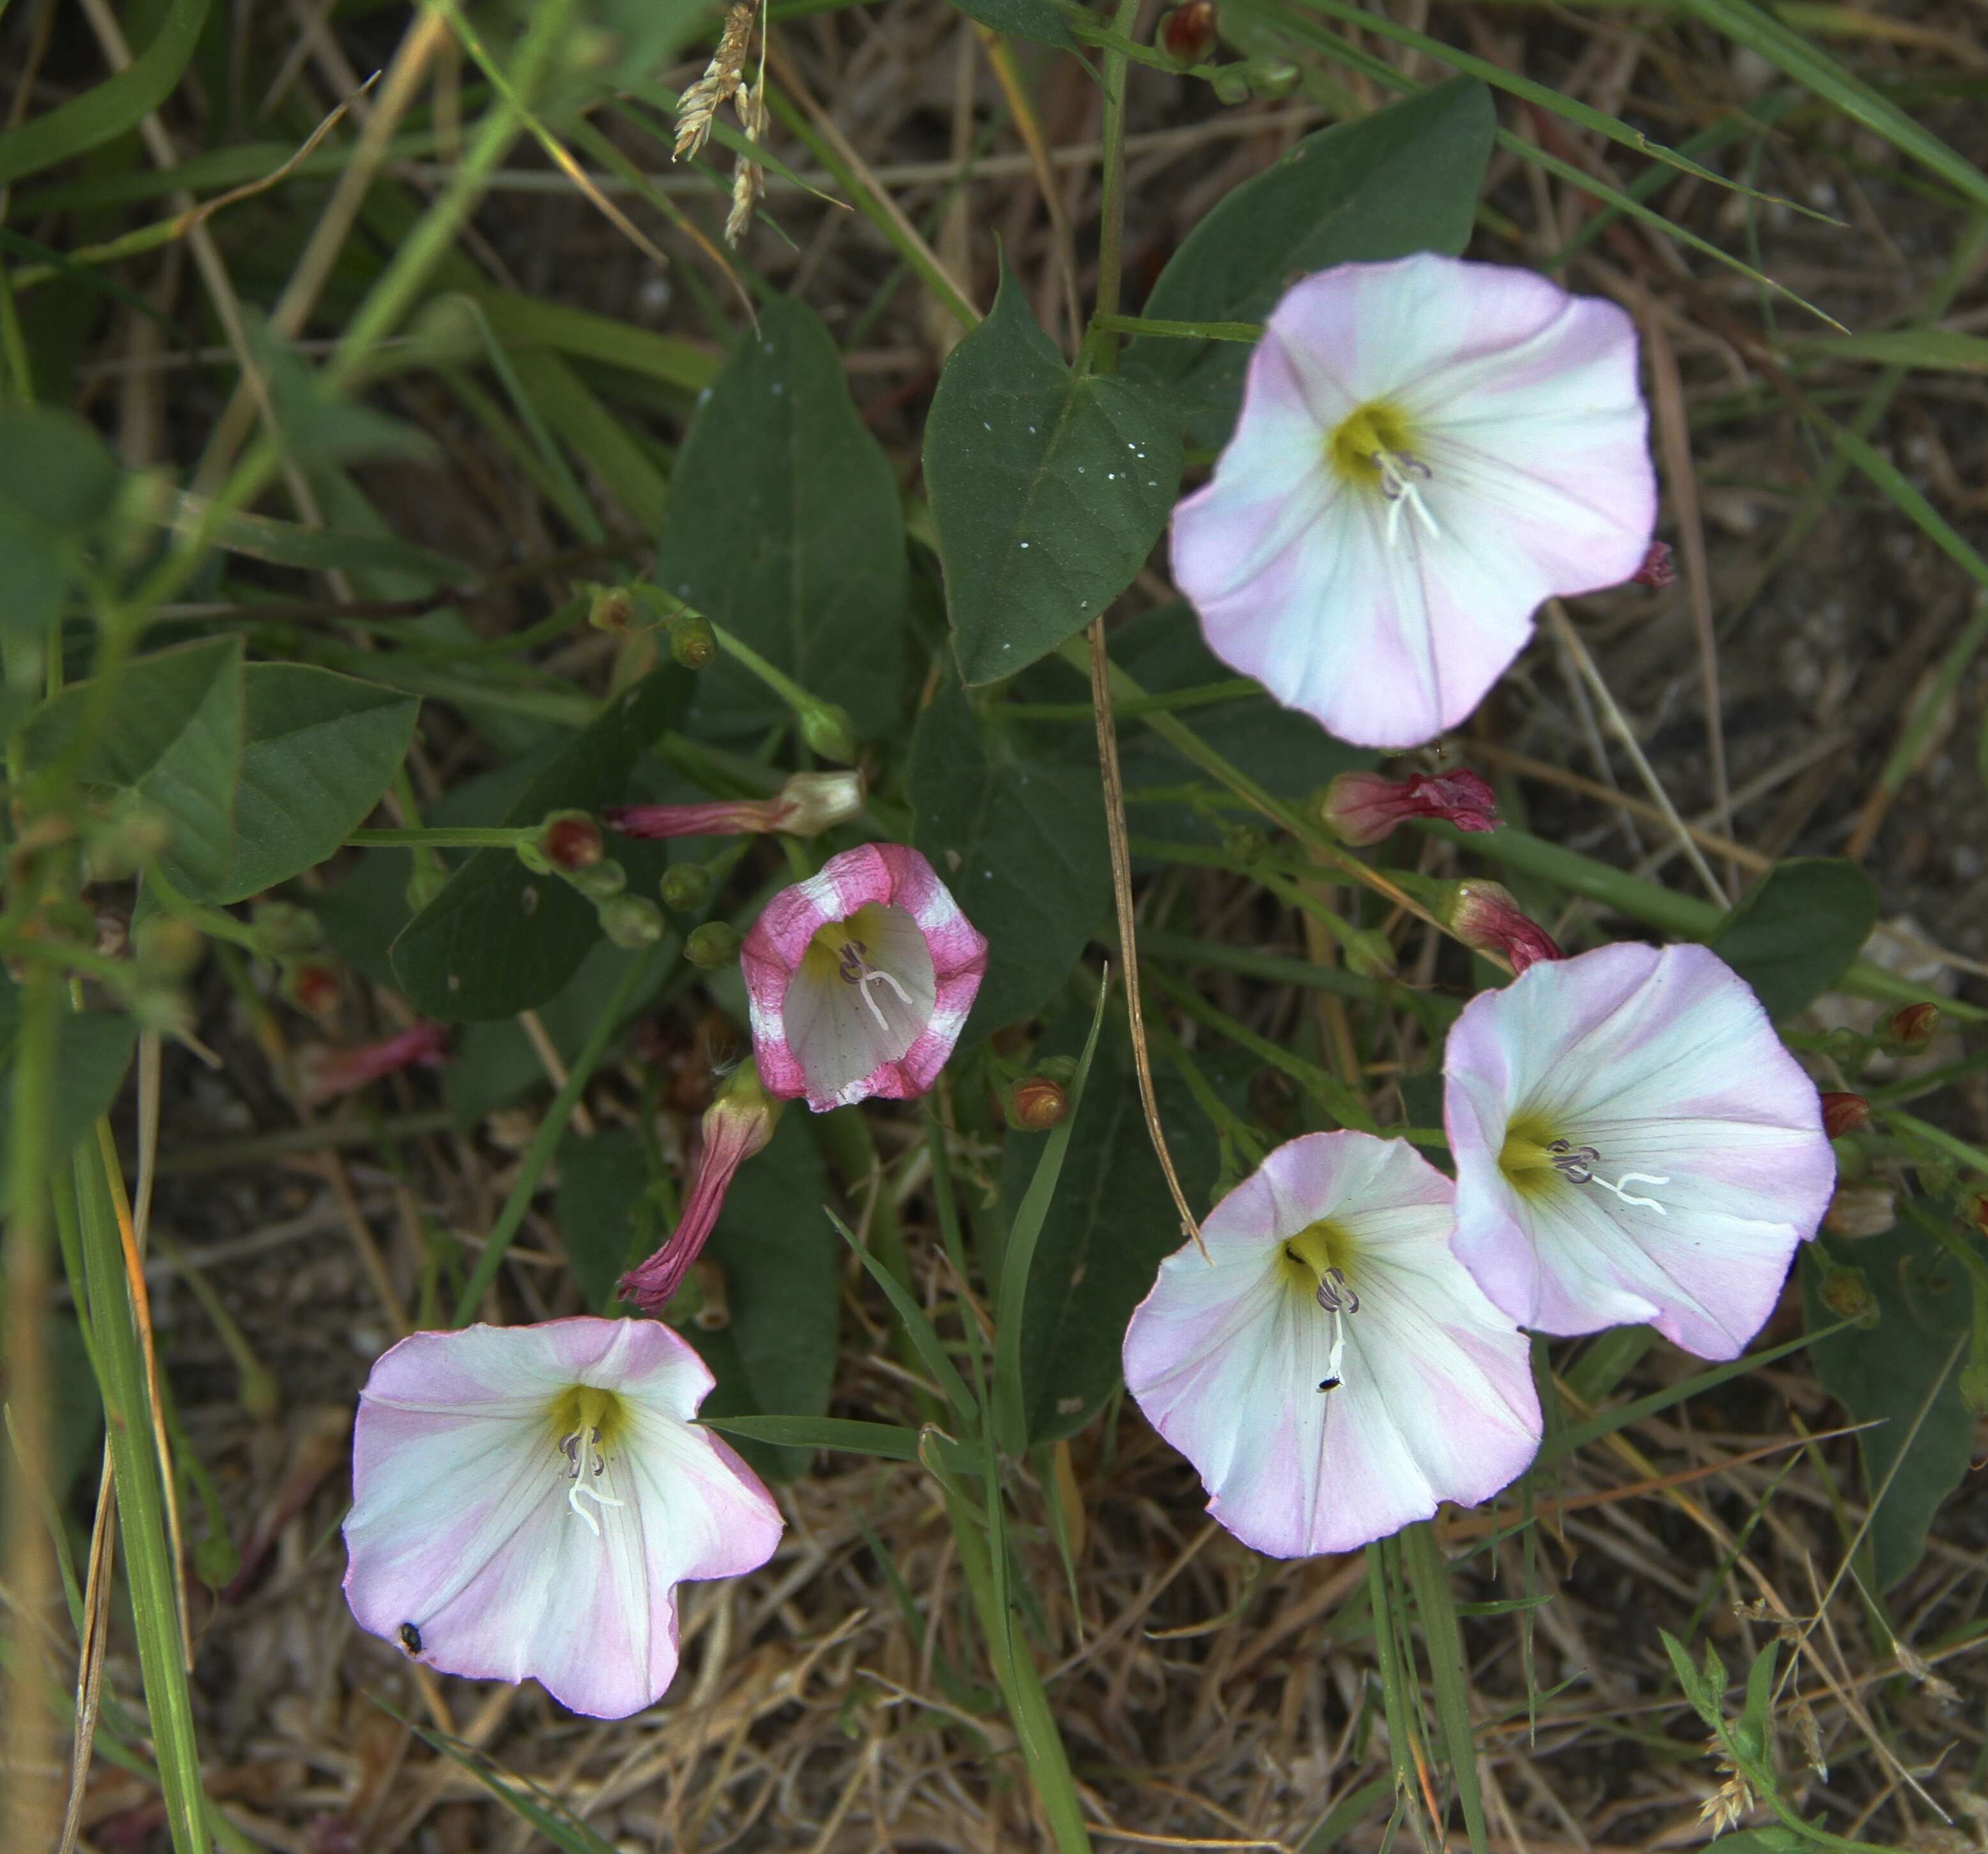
<point>1658,569</point>
<point>1035,1103</point>
<point>1846,1292</point>
<point>1485,916</point>
<point>735,1126</point>
<point>1187,34</point>
<point>313,987</point>
<point>713,945</point>
<point>600,881</point>
<point>612,610</point>
<point>825,727</point>
<point>1362,807</point>
<point>693,643</point>
<point>1844,1113</point>
<point>1861,1210</point>
<point>686,888</point>
<point>326,1072</point>
<point>1912,1028</point>
<point>569,840</point>
<point>284,928</point>
<point>631,922</point>
<point>808,804</point>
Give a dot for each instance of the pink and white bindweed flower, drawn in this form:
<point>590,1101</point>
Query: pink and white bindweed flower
<point>860,978</point>
<point>1633,1144</point>
<point>1428,448</point>
<point>525,1500</point>
<point>806,805</point>
<point>1331,1369</point>
<point>735,1126</point>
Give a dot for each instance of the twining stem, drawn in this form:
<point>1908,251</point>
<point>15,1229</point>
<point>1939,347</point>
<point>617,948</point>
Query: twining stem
<point>493,836</point>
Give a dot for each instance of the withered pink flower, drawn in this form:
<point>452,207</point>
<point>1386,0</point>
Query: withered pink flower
<point>1658,569</point>
<point>735,1126</point>
<point>1485,915</point>
<point>326,1072</point>
<point>860,979</point>
<point>1364,807</point>
<point>807,805</point>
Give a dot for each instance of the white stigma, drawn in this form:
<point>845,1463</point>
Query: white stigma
<point>586,1464</point>
<point>856,971</point>
<point>1577,1163</point>
<point>1400,471</point>
<point>1338,1300</point>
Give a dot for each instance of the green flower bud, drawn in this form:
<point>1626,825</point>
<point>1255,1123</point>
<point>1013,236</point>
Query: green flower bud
<point>693,643</point>
<point>713,945</point>
<point>826,728</point>
<point>631,922</point>
<point>686,888</point>
<point>601,881</point>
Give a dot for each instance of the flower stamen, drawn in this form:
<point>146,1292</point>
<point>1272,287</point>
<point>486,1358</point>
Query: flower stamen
<point>1338,1299</point>
<point>1577,1163</point>
<point>853,965</point>
<point>585,1464</point>
<point>1400,471</point>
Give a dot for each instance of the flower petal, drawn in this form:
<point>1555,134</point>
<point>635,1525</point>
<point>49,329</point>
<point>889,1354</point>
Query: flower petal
<point>1663,1062</point>
<point>1225,1357</point>
<point>1526,414</point>
<point>462,1525</point>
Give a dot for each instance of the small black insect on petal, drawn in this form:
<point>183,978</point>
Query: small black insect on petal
<point>411,1638</point>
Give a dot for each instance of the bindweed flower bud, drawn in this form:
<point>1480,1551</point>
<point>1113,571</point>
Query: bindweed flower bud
<point>166,947</point>
<point>735,1126</point>
<point>1362,807</point>
<point>693,643</point>
<point>612,610</point>
<point>1230,85</point>
<point>1035,1103</point>
<point>1061,1068</point>
<point>686,888</point>
<point>1844,1113</point>
<point>1912,1028</point>
<point>825,727</point>
<point>324,1072</point>
<point>314,987</point>
<point>282,928</point>
<point>1658,569</point>
<point>1486,917</point>
<point>1858,1211</point>
<point>1846,1292</point>
<point>713,945</point>
<point>1187,35</point>
<point>631,922</point>
<point>808,804</point>
<point>601,880</point>
<point>570,840</point>
<point>1272,79</point>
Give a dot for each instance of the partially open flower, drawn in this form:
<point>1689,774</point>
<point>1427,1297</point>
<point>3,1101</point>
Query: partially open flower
<point>860,979</point>
<point>1633,1144</point>
<point>1362,807</point>
<point>807,805</point>
<point>526,1499</point>
<point>1331,1369</point>
<point>1486,916</point>
<point>324,1072</point>
<point>735,1126</point>
<point>1428,448</point>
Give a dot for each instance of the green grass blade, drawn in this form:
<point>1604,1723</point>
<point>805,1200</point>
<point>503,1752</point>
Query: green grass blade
<point>1010,1421</point>
<point>149,1567</point>
<point>118,103</point>
<point>921,1333</point>
<point>886,1441</point>
<point>1792,54</point>
<point>1429,1578</point>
